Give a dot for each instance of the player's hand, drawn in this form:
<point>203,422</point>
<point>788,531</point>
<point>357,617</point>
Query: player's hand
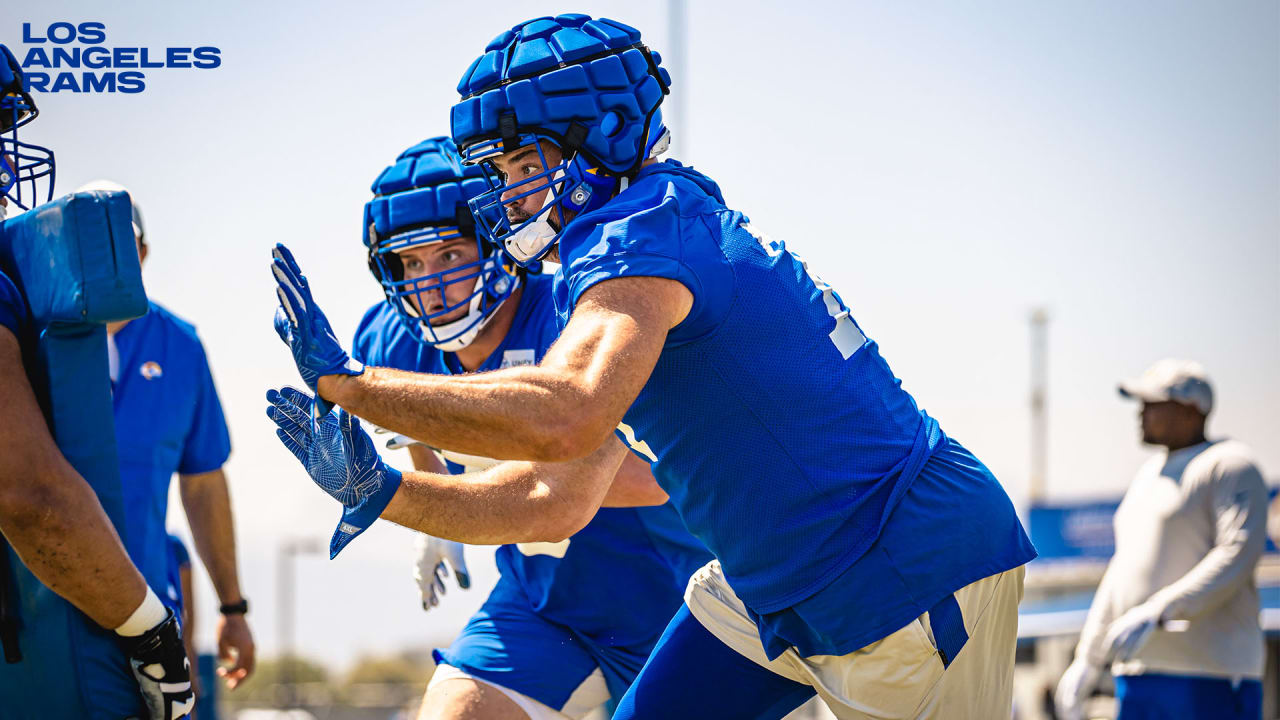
<point>305,329</point>
<point>1129,632</point>
<point>158,659</point>
<point>339,456</point>
<point>430,571</point>
<point>235,646</point>
<point>1075,687</point>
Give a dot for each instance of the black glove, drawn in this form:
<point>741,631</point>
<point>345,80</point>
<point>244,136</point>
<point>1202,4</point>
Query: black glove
<point>159,663</point>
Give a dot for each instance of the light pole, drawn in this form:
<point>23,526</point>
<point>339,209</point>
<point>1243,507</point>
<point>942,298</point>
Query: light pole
<point>1039,405</point>
<point>676,58</point>
<point>288,551</point>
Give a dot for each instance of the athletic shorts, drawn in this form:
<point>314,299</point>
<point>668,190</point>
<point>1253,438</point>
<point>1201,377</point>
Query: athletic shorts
<point>509,645</point>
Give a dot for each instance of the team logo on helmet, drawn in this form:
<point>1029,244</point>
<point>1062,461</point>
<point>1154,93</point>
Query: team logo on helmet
<point>420,201</point>
<point>587,86</point>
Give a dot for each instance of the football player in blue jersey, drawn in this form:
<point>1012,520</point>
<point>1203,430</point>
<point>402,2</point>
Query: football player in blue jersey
<point>862,554</point>
<point>48,513</point>
<point>549,642</point>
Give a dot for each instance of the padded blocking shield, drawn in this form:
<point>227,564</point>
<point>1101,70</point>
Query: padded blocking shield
<point>76,262</point>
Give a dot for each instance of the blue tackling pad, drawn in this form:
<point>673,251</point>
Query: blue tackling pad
<point>76,263</point>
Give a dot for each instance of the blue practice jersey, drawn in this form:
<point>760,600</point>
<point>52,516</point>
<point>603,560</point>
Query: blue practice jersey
<point>619,579</point>
<point>168,419</point>
<point>14,314</point>
<point>779,431</point>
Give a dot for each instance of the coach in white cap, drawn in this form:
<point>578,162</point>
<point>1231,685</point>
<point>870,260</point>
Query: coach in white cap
<point>1176,614</point>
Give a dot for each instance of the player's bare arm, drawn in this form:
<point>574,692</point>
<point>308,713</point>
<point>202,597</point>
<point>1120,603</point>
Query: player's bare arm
<point>510,502</point>
<point>633,485</point>
<point>50,515</point>
<point>562,409</point>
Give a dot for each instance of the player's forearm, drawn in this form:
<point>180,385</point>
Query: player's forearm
<point>208,506</point>
<point>49,513</point>
<point>508,503</point>
<point>525,413</point>
<point>58,529</point>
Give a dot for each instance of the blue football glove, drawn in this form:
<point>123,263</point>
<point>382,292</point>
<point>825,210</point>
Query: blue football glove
<point>340,458</point>
<point>305,329</point>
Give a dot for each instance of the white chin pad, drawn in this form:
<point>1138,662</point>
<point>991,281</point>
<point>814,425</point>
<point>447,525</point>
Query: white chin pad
<point>529,241</point>
<point>433,333</point>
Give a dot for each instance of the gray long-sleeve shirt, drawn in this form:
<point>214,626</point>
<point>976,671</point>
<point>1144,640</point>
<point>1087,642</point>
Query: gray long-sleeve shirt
<point>1189,533</point>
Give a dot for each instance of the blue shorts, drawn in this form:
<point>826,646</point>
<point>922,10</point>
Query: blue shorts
<point>1172,697</point>
<point>508,644</point>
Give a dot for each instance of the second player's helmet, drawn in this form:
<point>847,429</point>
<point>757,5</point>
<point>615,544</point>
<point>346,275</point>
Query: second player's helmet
<point>588,86</point>
<point>23,166</point>
<point>420,200</point>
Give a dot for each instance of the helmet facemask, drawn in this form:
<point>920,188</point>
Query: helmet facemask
<point>526,240</point>
<point>573,186</point>
<point>24,168</point>
<point>489,283</point>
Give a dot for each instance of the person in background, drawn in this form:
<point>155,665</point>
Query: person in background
<point>1176,613</point>
<point>169,420</point>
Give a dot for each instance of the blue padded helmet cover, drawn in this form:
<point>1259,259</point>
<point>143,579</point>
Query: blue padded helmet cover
<point>424,187</point>
<point>554,72</point>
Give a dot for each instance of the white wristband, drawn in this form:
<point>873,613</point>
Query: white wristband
<point>148,615</point>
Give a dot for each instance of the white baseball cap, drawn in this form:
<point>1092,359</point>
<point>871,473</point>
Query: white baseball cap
<point>1183,381</point>
<point>139,230</point>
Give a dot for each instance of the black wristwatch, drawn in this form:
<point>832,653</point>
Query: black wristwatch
<point>236,608</point>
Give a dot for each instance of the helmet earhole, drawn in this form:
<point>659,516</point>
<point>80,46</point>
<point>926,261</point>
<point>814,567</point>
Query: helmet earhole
<point>611,123</point>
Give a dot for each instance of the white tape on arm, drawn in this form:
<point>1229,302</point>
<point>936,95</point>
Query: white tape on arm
<point>147,615</point>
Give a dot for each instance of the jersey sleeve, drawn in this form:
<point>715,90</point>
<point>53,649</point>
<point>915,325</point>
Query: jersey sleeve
<point>13,309</point>
<point>1237,500</point>
<point>654,241</point>
<point>364,342</point>
<point>208,444</point>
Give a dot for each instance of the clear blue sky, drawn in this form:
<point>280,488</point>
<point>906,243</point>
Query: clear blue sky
<point>946,166</point>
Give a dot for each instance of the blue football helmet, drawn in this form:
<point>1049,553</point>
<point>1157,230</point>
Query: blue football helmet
<point>23,166</point>
<point>420,200</point>
<point>588,86</point>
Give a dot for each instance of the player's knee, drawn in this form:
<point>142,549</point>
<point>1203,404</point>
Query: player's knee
<point>467,699</point>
